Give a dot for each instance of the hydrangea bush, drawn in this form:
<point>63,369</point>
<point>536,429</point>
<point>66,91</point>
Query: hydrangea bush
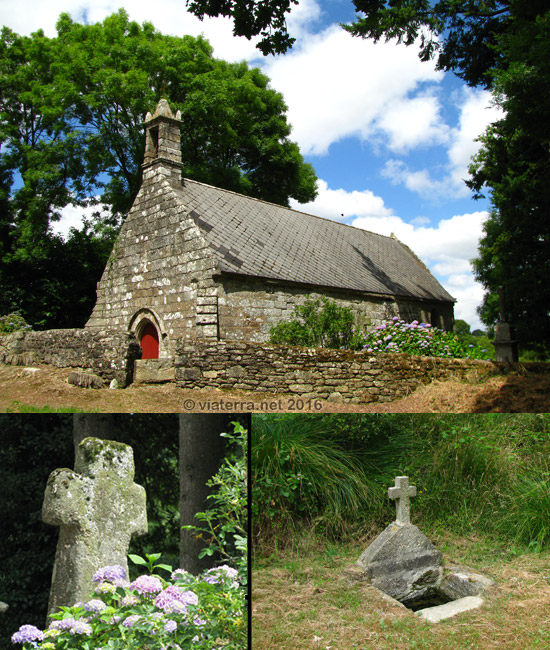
<point>13,323</point>
<point>205,612</point>
<point>420,338</point>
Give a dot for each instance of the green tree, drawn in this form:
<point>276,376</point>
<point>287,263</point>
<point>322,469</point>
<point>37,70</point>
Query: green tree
<point>514,252</point>
<point>461,33</point>
<point>71,109</point>
<point>461,327</point>
<point>266,18</point>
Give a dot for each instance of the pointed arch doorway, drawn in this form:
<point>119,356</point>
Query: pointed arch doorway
<point>149,341</point>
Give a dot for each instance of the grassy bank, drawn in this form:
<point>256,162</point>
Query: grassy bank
<point>329,474</point>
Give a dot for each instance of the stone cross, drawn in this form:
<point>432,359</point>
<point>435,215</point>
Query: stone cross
<point>401,493</point>
<point>99,508</point>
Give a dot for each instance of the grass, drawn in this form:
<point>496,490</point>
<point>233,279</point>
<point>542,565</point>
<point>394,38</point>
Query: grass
<point>488,473</point>
<point>18,407</point>
<point>301,599</point>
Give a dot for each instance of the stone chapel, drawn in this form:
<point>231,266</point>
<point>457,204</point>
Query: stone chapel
<point>196,261</point>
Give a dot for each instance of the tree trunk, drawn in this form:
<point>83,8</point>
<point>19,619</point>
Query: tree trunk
<point>200,455</point>
<point>98,425</point>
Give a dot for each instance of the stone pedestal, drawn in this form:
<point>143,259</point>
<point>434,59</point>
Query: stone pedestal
<point>154,371</point>
<point>506,348</point>
<point>403,563</point>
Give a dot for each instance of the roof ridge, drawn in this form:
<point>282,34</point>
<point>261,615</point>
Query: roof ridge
<point>284,207</point>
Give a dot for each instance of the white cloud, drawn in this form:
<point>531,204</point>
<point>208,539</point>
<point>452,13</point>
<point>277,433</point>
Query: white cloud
<point>336,86</point>
<point>414,122</point>
<point>72,216</point>
<point>476,113</point>
<point>340,204</point>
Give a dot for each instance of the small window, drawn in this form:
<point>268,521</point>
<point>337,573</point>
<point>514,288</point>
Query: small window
<point>155,140</point>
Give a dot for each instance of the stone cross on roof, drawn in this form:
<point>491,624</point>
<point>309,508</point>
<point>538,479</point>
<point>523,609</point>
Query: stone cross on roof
<point>99,508</point>
<point>401,493</point>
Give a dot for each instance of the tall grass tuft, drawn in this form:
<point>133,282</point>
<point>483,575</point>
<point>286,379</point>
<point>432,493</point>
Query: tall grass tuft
<point>302,472</point>
<point>485,474</point>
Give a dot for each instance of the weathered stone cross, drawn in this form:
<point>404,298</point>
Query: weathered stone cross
<point>99,508</point>
<point>401,493</point>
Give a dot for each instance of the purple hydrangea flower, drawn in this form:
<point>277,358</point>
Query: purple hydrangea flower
<point>171,626</point>
<point>65,625</point>
<point>110,573</point>
<point>218,574</point>
<point>147,585</point>
<point>72,626</point>
<point>131,620</point>
<point>199,622</point>
<point>95,606</point>
<point>130,600</point>
<point>80,627</point>
<point>182,574</point>
<point>173,600</point>
<point>27,633</point>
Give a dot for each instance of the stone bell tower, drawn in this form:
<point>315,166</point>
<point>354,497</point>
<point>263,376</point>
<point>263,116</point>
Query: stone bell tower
<point>162,143</point>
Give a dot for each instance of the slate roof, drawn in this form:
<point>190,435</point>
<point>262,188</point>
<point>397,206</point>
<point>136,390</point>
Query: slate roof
<point>255,238</point>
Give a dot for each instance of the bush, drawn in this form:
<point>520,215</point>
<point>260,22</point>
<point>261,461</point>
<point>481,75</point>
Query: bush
<point>319,323</point>
<point>303,471</point>
<point>150,613</point>
<point>418,338</point>
<point>13,323</point>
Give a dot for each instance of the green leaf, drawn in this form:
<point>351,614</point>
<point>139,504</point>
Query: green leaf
<point>136,559</point>
<point>153,557</point>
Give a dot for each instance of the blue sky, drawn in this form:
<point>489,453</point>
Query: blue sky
<point>389,136</point>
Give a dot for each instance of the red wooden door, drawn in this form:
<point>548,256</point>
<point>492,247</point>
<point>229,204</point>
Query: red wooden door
<point>149,342</point>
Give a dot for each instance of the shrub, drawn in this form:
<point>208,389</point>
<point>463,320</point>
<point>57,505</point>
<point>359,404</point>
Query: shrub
<point>319,323</point>
<point>418,338</point>
<point>150,613</point>
<point>13,323</point>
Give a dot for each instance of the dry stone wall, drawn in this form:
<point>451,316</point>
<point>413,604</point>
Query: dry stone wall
<point>110,355</point>
<point>313,373</point>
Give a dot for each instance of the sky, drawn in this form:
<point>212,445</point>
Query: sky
<point>389,136</point>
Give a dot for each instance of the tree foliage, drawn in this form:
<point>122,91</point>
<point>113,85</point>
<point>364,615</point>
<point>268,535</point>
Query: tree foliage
<point>460,34</point>
<point>514,252</point>
<point>266,18</point>
<point>71,112</point>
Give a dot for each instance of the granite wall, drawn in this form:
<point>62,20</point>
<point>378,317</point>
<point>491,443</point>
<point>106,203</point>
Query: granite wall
<point>249,307</point>
<point>313,373</point>
<point>110,355</point>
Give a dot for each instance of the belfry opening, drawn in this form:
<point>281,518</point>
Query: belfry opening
<point>149,341</point>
